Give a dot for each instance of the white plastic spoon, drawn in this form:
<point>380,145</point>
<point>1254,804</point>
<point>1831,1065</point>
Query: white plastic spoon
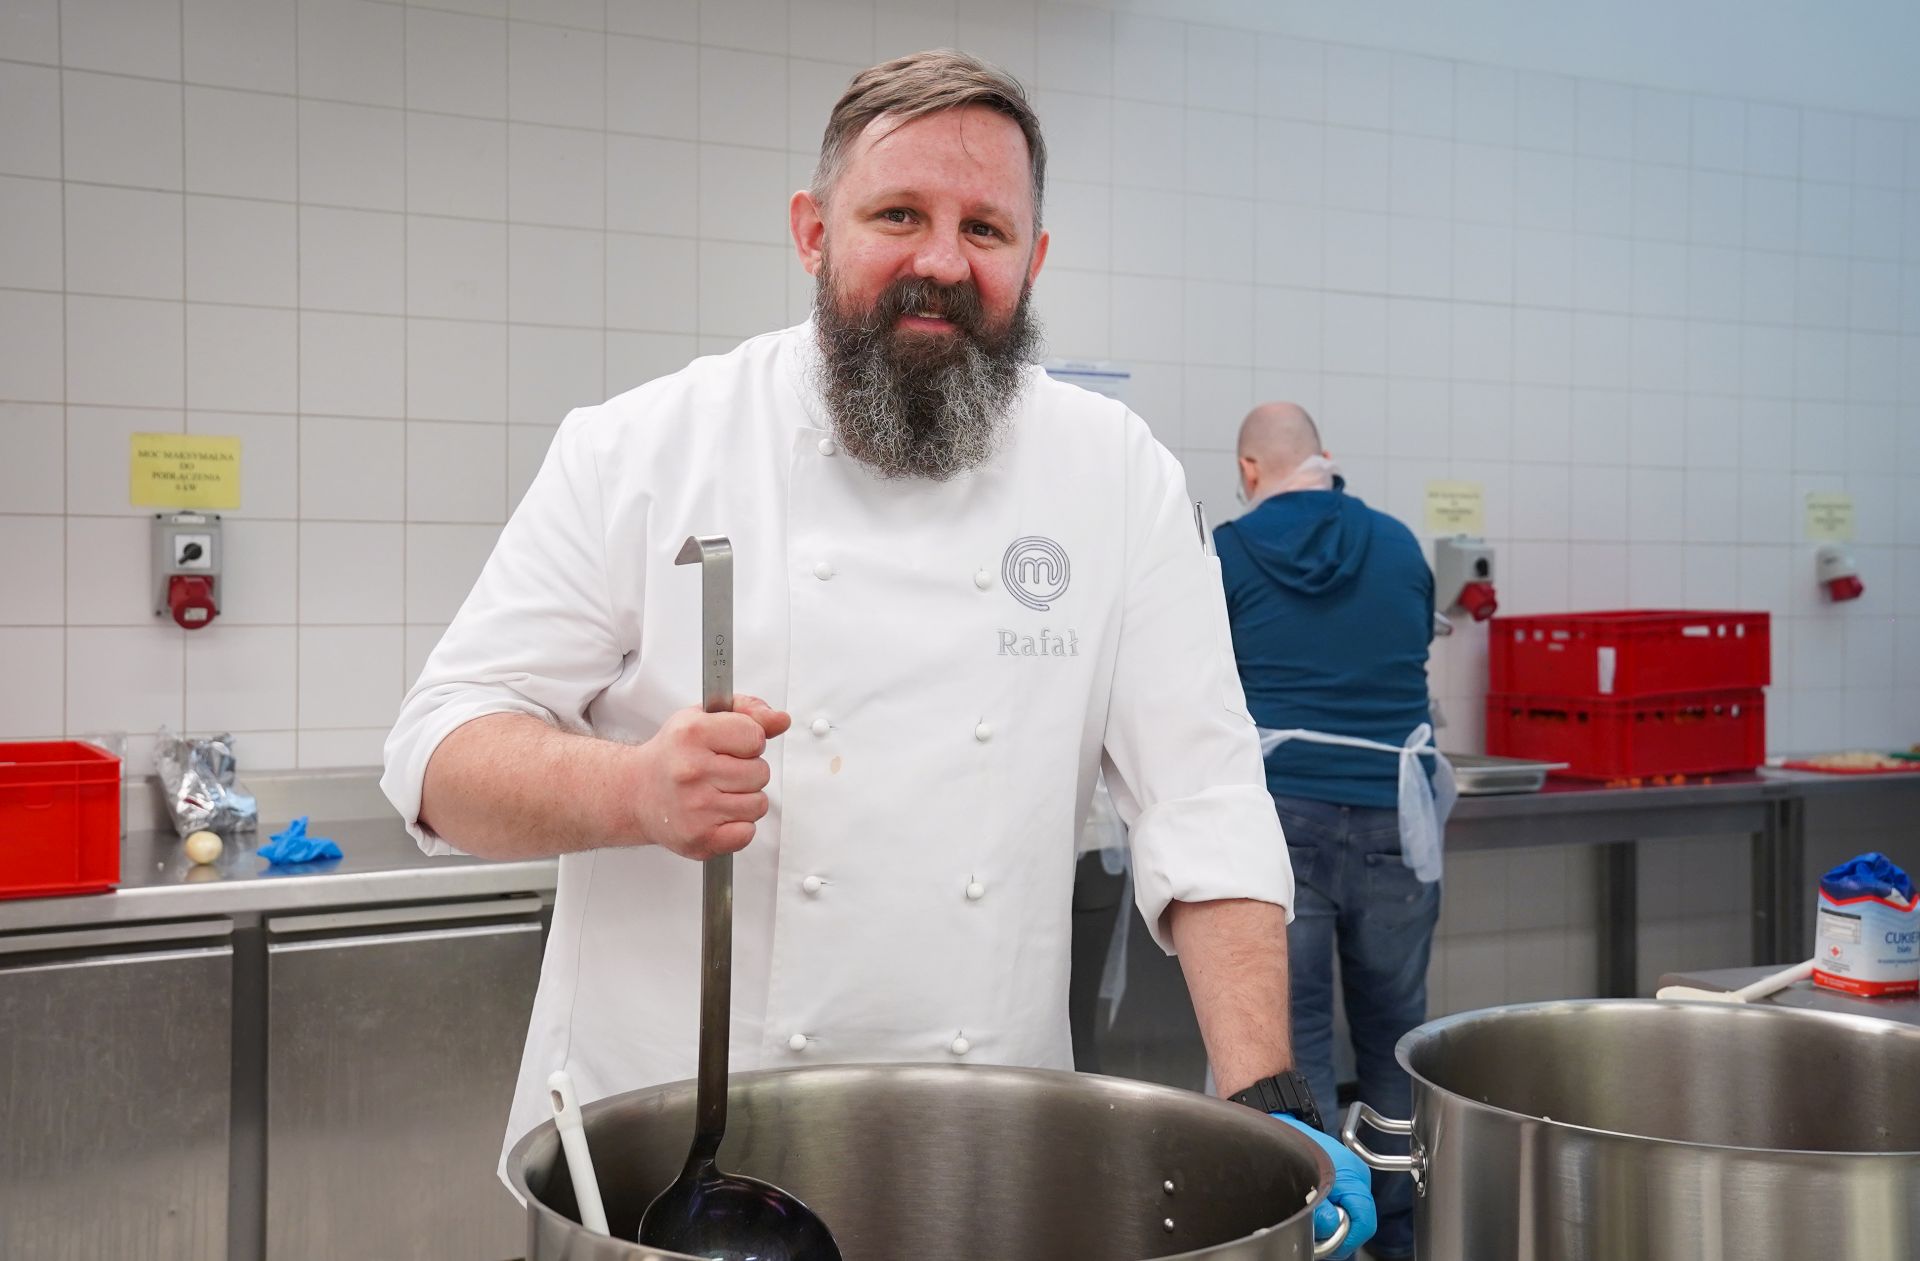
<point>573,1140</point>
<point>1747,994</point>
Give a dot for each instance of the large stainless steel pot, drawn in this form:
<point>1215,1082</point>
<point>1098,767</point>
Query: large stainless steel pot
<point>1661,1131</point>
<point>944,1163</point>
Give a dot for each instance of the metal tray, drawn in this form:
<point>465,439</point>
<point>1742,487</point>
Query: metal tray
<point>1483,775</point>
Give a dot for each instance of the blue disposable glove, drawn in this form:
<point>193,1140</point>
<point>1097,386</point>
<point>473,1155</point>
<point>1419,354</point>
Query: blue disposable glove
<point>1352,1190</point>
<point>295,846</point>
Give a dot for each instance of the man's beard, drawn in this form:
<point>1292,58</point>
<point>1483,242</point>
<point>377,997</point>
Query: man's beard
<point>912,404</point>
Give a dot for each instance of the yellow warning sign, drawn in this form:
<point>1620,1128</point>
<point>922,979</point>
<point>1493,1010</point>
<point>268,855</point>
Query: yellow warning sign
<point>1456,508</point>
<point>1829,516</point>
<point>177,470</point>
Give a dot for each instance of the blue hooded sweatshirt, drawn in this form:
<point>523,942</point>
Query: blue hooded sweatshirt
<point>1331,605</point>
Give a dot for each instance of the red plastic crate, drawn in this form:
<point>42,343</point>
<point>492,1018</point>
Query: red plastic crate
<point>1634,652</point>
<point>59,818</point>
<point>1696,733</point>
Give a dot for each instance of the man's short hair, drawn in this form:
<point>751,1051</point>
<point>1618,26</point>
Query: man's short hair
<point>917,85</point>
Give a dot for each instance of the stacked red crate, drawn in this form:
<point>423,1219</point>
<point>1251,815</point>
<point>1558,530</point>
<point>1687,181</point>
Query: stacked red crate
<point>1634,694</point>
<point>59,818</point>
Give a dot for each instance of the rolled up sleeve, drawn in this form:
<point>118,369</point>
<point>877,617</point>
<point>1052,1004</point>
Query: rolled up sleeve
<point>536,634</point>
<point>1180,751</point>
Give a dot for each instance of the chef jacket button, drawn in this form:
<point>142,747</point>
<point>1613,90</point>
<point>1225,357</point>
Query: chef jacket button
<point>812,884</point>
<point>823,571</point>
<point>983,732</point>
<point>960,1046</point>
<point>798,1042</point>
<point>982,579</point>
<point>821,727</point>
<point>827,447</point>
<point>976,891</point>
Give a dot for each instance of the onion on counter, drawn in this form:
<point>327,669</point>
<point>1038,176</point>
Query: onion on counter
<point>204,847</point>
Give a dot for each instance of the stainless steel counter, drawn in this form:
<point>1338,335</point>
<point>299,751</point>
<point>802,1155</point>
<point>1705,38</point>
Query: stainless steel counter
<point>1804,994</point>
<point>1572,812</point>
<point>1569,798</point>
<point>379,864</point>
<point>382,865</point>
<point>264,1044</point>
<point>1770,806</point>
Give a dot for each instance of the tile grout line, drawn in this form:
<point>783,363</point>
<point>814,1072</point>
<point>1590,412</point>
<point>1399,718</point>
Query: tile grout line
<point>406,301</point>
<point>699,164</point>
<point>299,381</point>
<point>606,242</point>
<point>66,442</point>
<point>186,311</point>
<point>507,303</point>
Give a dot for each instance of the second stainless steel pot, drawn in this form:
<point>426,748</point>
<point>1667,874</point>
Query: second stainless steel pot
<point>944,1163</point>
<point>1659,1131</point>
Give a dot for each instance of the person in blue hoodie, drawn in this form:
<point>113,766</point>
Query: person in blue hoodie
<point>1331,605</point>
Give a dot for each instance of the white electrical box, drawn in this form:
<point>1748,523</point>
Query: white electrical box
<point>1463,576</point>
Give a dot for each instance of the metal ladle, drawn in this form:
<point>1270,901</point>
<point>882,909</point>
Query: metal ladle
<point>707,1213</point>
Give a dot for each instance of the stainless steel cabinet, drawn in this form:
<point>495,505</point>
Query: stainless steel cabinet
<point>393,1043</point>
<point>115,1083</point>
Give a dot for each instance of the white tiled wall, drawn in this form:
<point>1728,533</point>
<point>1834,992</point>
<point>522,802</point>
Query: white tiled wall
<point>1521,925</point>
<point>389,245</point>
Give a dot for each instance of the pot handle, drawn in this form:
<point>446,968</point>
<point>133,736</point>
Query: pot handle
<point>1360,1114</point>
<point>1331,1244</point>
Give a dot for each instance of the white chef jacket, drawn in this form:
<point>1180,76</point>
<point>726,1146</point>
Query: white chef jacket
<point>959,658</point>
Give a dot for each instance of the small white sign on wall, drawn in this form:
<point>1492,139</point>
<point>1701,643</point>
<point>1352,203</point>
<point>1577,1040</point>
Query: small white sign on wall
<point>1829,516</point>
<point>1456,508</point>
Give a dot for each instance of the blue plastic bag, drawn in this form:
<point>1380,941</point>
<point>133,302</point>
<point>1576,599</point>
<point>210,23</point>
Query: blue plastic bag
<point>1871,875</point>
<point>294,846</point>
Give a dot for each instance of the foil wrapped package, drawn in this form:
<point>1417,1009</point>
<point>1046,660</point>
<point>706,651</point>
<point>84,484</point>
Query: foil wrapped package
<point>197,778</point>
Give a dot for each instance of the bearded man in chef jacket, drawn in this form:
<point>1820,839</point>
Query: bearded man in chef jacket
<point>966,588</point>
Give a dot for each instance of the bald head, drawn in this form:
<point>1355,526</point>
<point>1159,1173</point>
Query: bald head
<point>1274,439</point>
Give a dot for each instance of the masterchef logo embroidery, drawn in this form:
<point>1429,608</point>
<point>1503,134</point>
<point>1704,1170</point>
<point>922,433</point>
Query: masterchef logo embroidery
<point>1036,571</point>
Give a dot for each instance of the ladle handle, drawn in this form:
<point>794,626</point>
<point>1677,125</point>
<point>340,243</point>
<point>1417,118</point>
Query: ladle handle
<point>714,554</point>
<point>716,1005</point>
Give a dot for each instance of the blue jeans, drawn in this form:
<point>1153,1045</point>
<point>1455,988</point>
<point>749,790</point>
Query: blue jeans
<point>1355,894</point>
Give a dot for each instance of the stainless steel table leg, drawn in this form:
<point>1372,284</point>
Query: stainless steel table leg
<point>1763,898</point>
<point>1619,920</point>
<point>1780,933</point>
<point>1795,929</point>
